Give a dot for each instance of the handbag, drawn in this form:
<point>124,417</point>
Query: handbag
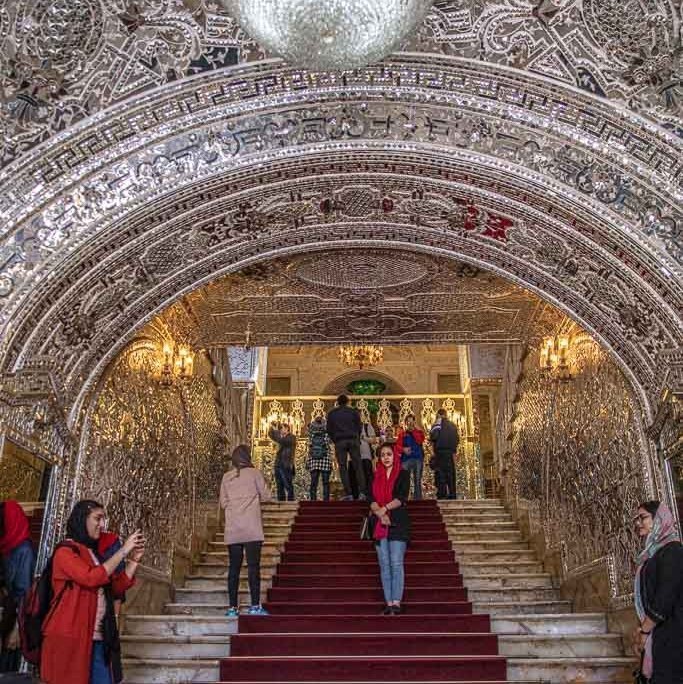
<point>367,528</point>
<point>638,676</point>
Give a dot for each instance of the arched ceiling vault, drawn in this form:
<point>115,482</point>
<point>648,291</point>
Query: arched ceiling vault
<point>565,194</point>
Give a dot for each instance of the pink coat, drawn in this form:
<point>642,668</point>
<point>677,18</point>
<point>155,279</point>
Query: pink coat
<point>241,496</point>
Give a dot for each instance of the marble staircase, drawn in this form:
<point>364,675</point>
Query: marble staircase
<point>186,643</point>
<point>537,631</point>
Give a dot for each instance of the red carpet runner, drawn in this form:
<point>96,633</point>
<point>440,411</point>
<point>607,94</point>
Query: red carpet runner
<point>325,604</point>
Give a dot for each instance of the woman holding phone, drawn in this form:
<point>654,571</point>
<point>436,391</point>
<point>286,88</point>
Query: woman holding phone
<point>80,635</point>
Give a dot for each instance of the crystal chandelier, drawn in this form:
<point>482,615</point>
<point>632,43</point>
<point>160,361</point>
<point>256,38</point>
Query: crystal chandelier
<point>329,34</point>
<point>361,355</point>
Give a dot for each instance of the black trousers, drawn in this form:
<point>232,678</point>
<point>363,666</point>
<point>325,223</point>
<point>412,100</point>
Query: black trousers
<point>347,452</point>
<point>315,477</point>
<point>284,481</point>
<point>369,476</point>
<point>236,556</point>
<point>445,475</point>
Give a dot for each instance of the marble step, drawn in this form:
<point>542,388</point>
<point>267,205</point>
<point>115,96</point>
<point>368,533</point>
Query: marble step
<point>269,548</point>
<point>171,647</point>
<point>202,609</point>
<point>181,625</point>
<point>584,670</point>
<point>479,568</point>
<point>490,557</point>
<point>521,608</point>
<point>282,506</point>
<point>521,580</point>
<point>268,552</point>
<point>513,646</point>
<point>213,596</point>
<point>550,624</point>
<point>466,506</point>
<point>475,525</point>
<point>520,594</point>
<point>217,581</point>
<point>150,671</point>
<point>560,646</point>
<point>494,544</point>
<point>269,539</point>
<point>461,536</point>
<point>220,569</point>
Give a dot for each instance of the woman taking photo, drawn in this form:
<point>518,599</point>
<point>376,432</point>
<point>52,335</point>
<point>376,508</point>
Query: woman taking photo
<point>388,496</point>
<point>80,636</point>
<point>658,595</point>
<point>242,490</point>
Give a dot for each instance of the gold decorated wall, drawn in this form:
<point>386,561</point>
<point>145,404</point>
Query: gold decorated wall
<point>155,453</point>
<point>574,460</point>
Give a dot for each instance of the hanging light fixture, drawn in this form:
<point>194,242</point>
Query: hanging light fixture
<point>177,365</point>
<point>554,356</point>
<point>361,355</point>
<point>329,34</point>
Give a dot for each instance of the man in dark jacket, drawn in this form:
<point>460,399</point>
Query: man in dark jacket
<point>284,461</point>
<point>444,436</point>
<point>343,427</point>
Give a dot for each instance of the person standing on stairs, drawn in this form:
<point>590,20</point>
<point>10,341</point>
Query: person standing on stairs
<point>243,489</point>
<point>444,436</point>
<point>284,461</point>
<point>409,448</point>
<point>319,462</point>
<point>658,595</point>
<point>368,439</point>
<point>344,427</point>
<point>388,497</point>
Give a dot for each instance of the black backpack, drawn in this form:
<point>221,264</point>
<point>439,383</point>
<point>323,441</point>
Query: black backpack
<point>35,607</point>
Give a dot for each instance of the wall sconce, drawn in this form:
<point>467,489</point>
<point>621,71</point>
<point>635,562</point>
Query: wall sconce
<point>176,366</point>
<point>554,356</point>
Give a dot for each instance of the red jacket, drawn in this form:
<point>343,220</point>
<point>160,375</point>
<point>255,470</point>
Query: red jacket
<point>418,436</point>
<point>68,629</point>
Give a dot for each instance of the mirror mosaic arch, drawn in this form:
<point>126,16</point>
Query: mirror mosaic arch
<point>137,264</point>
<point>616,174</point>
<point>626,51</point>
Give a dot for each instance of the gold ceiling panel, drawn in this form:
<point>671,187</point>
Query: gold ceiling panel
<point>380,295</point>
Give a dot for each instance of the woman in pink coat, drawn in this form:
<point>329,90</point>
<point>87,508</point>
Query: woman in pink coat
<point>242,490</point>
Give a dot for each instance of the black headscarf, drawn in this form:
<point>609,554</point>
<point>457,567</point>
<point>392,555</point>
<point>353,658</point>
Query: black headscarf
<point>76,528</point>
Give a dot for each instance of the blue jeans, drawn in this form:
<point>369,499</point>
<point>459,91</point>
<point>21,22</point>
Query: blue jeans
<point>390,555</point>
<point>284,481</point>
<point>415,466</point>
<point>20,565</point>
<point>100,672</point>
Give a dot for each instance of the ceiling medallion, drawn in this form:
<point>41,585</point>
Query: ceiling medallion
<point>329,34</point>
<point>361,355</point>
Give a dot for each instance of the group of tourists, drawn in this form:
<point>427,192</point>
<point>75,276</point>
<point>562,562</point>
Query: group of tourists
<point>355,447</point>
<point>79,592</point>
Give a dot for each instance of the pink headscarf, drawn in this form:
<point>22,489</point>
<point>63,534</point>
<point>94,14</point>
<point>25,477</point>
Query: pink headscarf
<point>663,532</point>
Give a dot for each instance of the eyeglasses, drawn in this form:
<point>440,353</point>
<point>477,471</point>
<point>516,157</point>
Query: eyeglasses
<point>640,519</point>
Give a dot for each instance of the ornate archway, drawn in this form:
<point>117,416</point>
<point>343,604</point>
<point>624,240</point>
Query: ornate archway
<point>571,197</point>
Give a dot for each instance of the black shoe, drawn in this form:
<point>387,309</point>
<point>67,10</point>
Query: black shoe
<point>388,610</point>
<point>396,610</point>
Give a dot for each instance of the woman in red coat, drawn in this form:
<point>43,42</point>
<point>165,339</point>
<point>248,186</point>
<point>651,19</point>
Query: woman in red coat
<point>80,638</point>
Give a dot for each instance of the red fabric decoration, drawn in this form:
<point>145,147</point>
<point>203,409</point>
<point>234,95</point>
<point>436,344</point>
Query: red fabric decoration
<point>383,490</point>
<point>17,529</point>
